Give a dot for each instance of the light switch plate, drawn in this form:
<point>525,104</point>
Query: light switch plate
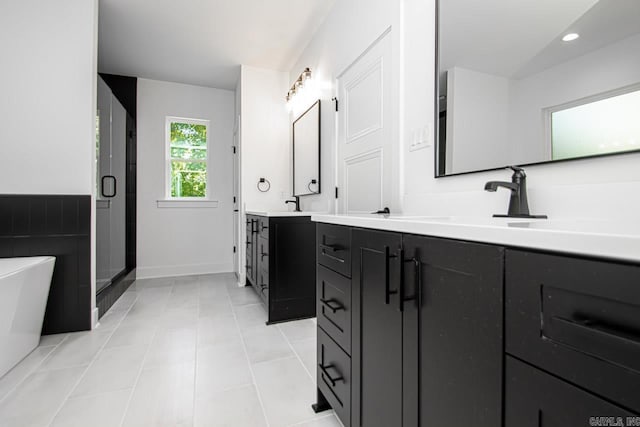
<point>421,138</point>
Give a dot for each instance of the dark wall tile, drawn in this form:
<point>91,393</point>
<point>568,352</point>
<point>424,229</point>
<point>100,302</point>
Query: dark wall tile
<point>57,226</point>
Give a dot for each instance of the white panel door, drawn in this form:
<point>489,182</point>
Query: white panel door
<point>366,147</point>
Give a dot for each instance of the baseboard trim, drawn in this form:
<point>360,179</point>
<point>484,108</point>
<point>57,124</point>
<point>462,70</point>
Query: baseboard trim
<point>182,270</point>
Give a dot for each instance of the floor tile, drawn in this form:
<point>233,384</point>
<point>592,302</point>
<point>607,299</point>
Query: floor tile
<point>49,340</point>
<point>163,397</point>
<point>133,334</point>
<point>243,296</point>
<point>232,408</point>
<point>221,368</point>
<point>115,368</point>
<point>37,399</point>
<point>218,331</point>
<point>286,391</point>
<point>327,421</point>
<point>307,352</point>
<point>251,315</point>
<point>111,320</point>
<point>266,343</point>
<point>77,349</point>
<point>215,306</point>
<point>178,318</point>
<point>299,329</point>
<point>102,410</point>
<point>23,369</point>
<point>172,346</point>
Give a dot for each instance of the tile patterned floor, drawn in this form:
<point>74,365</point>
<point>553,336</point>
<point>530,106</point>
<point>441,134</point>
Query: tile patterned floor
<point>184,351</point>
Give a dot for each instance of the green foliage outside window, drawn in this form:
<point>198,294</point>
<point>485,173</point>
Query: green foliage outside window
<point>188,150</point>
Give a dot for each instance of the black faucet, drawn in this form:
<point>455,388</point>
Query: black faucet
<point>296,201</point>
<point>518,203</point>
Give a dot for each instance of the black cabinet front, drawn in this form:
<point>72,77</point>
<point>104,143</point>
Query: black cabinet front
<point>281,265</point>
<point>460,288</point>
<point>377,360</point>
<point>536,399</point>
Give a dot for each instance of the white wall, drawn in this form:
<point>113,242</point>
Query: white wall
<point>186,240</point>
<point>597,188</point>
<point>350,28</point>
<point>265,138</point>
<point>48,87</point>
<point>48,99</point>
<point>477,121</point>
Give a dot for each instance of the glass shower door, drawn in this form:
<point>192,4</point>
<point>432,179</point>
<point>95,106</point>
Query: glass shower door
<point>110,181</point>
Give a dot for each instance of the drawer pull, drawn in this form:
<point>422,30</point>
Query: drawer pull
<point>264,227</point>
<point>599,329</point>
<point>327,302</point>
<point>325,371</point>
<point>332,257</point>
<point>331,248</point>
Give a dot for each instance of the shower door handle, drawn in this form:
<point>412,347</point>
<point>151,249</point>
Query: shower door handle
<point>115,191</point>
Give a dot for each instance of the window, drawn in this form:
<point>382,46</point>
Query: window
<point>603,124</point>
<point>187,158</point>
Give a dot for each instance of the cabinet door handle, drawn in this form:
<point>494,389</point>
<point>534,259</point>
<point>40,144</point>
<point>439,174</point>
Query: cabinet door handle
<point>330,248</point>
<point>417,282</point>
<point>327,303</point>
<point>254,222</point>
<point>325,371</point>
<point>264,227</point>
<point>387,279</point>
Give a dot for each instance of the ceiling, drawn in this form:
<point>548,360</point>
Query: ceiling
<point>203,42</point>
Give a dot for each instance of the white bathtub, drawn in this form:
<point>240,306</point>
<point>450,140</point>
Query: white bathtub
<point>24,288</point>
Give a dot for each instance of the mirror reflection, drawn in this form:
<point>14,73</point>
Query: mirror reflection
<point>536,81</point>
<point>306,152</point>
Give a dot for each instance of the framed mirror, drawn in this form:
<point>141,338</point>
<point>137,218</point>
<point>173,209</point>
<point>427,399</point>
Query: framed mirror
<point>521,83</point>
<point>306,152</point>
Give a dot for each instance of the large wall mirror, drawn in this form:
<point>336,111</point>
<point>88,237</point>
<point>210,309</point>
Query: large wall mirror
<point>525,82</point>
<point>306,152</point>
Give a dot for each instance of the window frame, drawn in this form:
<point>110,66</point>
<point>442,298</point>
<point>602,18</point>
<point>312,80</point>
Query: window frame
<point>174,119</point>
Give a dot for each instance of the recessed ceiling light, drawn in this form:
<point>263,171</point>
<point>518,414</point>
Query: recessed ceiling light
<point>570,37</point>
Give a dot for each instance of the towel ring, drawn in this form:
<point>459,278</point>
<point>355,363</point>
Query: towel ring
<point>260,187</point>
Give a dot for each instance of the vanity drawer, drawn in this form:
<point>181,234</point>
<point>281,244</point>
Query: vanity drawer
<point>536,399</point>
<point>334,306</point>
<point>263,253</point>
<point>263,227</point>
<point>334,248</point>
<point>334,376</point>
<point>578,319</point>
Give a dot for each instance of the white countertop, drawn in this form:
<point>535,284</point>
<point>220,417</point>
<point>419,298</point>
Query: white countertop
<point>282,214</point>
<point>605,239</point>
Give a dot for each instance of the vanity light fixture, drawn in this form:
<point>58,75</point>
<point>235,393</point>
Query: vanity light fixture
<point>299,83</point>
<point>570,37</point>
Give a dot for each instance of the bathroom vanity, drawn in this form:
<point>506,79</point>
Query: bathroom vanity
<point>281,263</point>
<point>486,322</point>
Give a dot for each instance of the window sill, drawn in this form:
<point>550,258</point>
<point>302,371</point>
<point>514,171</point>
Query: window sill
<point>169,203</point>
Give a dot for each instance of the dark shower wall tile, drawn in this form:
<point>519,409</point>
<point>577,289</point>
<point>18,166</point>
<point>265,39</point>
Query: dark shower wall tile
<point>37,225</point>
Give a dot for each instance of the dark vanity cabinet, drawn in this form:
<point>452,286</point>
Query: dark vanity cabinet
<point>425,327</point>
<point>572,339</point>
<point>431,332</point>
<point>281,265</point>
